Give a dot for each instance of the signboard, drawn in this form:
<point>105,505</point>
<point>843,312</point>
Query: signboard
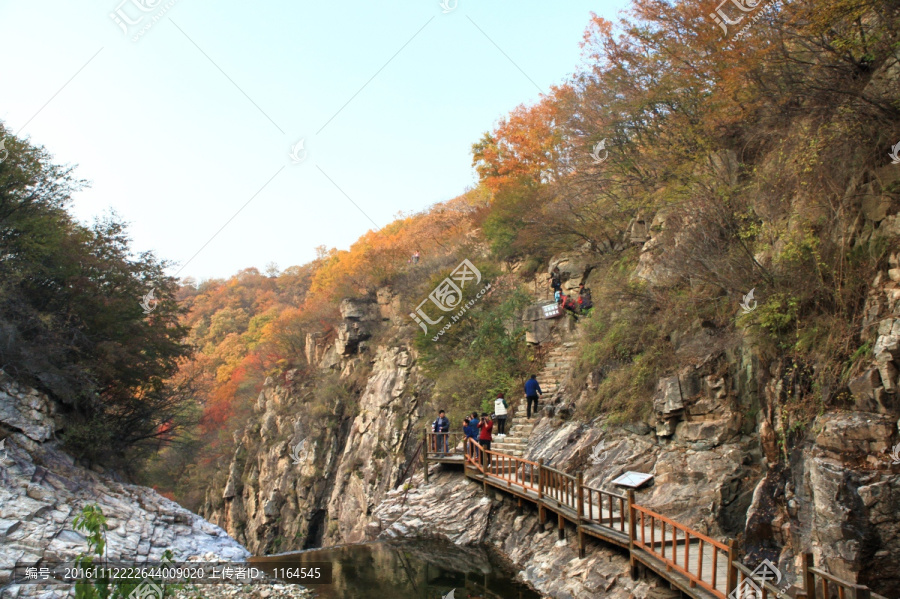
<point>632,479</point>
<point>552,310</point>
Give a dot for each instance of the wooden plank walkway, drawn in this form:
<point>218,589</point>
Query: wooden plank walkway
<point>699,566</point>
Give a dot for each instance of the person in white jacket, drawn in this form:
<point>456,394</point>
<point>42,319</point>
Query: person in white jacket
<point>500,411</point>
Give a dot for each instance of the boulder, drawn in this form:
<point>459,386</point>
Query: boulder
<point>668,400</point>
<point>358,309</point>
<point>711,432</point>
<point>537,328</point>
<point>389,306</point>
<point>349,336</point>
<point>854,432</point>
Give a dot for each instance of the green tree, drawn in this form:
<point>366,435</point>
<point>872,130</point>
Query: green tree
<point>72,321</point>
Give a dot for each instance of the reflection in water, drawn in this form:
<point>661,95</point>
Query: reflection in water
<point>412,570</point>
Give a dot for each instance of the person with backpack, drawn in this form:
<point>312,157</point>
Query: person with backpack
<point>532,390</point>
<point>501,410</point>
<point>584,298</point>
<point>441,428</point>
<point>556,282</point>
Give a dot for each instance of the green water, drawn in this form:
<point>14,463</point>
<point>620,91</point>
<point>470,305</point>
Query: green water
<point>412,570</point>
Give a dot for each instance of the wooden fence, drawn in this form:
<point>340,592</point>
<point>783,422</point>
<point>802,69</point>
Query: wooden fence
<point>689,559</point>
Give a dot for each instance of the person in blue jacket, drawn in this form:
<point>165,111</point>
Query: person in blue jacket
<point>470,429</point>
<point>532,390</point>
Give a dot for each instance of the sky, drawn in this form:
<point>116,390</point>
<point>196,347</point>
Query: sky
<point>187,116</point>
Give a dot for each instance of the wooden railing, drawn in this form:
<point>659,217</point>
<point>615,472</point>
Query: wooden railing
<point>677,547</point>
<point>559,486</point>
<point>444,443</point>
<point>513,470</point>
<point>830,587</point>
<point>650,534</point>
<point>612,519</point>
<point>473,454</point>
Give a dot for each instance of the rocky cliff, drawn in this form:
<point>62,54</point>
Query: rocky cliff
<point>725,458</point>
<point>301,479</point>
<point>42,489</point>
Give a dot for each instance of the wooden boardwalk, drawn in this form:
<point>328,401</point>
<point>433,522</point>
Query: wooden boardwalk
<point>697,565</point>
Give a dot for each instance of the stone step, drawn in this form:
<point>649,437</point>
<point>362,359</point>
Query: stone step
<point>506,448</point>
<point>515,444</point>
<point>512,440</point>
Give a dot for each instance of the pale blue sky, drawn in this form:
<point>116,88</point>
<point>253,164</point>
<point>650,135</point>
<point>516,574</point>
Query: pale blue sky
<point>176,148</point>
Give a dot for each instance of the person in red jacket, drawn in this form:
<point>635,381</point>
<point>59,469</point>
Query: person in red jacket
<point>484,433</point>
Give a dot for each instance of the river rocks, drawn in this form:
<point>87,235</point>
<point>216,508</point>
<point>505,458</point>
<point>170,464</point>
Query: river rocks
<point>256,591</point>
<point>42,490</point>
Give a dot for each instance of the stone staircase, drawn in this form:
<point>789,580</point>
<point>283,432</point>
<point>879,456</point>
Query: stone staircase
<point>557,367</point>
<point>551,379</point>
<point>516,440</point>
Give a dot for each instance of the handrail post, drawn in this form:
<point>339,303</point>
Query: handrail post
<point>542,513</point>
<point>809,577</point>
<point>540,479</point>
<point>579,481</point>
<point>731,578</point>
<point>859,591</point>
<point>632,534</point>
<point>425,454</point>
<point>579,494</point>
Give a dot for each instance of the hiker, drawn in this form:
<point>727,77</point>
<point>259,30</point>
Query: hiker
<point>484,433</point>
<point>532,390</point>
<point>471,431</point>
<point>415,257</point>
<point>555,281</point>
<point>568,303</point>
<point>500,409</point>
<point>557,296</point>
<point>584,298</point>
<point>441,429</point>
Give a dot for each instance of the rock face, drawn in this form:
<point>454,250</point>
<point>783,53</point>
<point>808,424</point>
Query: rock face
<point>42,490</point>
<point>26,409</point>
<point>457,509</point>
<point>725,457</point>
<point>301,480</point>
<point>374,451</point>
<point>574,268</point>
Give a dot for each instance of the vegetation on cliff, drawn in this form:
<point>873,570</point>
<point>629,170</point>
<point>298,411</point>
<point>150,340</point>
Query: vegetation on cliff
<point>71,322</point>
<point>752,157</point>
